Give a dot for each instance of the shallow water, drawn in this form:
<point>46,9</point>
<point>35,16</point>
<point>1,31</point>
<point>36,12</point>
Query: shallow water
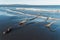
<point>30,31</point>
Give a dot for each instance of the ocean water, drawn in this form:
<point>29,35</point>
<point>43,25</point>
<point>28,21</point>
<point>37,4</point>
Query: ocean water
<point>10,16</point>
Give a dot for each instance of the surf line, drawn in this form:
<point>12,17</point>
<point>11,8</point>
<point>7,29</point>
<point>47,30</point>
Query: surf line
<point>50,18</point>
<point>38,10</point>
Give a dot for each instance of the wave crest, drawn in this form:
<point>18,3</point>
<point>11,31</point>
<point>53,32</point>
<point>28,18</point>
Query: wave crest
<point>39,10</point>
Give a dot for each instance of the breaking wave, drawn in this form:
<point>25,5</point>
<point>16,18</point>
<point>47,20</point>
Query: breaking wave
<point>40,10</point>
<point>20,13</point>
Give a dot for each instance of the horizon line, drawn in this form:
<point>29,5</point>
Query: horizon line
<point>28,4</point>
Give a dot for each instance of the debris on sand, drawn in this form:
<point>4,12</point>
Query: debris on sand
<point>7,31</point>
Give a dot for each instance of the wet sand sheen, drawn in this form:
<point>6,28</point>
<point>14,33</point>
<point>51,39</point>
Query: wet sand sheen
<point>31,31</point>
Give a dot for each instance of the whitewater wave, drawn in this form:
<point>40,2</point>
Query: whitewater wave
<point>40,10</point>
<point>33,15</point>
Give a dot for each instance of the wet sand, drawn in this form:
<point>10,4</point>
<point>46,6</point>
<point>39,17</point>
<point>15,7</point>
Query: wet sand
<point>30,31</point>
